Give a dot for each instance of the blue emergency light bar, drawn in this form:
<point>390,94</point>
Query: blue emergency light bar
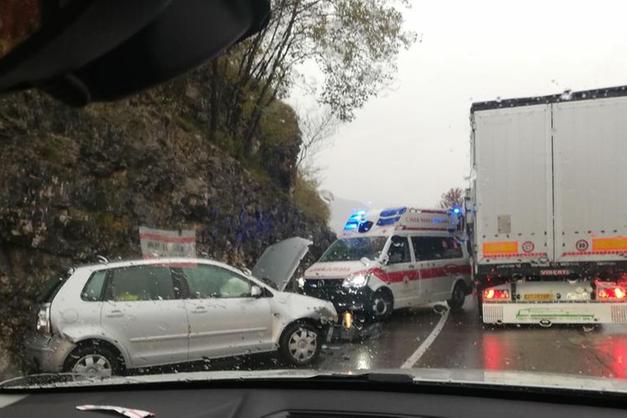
<point>385,213</point>
<point>355,220</point>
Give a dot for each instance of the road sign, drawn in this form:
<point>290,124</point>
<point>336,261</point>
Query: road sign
<point>167,243</point>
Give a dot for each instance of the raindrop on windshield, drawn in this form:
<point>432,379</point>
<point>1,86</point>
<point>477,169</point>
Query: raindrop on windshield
<point>566,95</point>
<point>102,259</point>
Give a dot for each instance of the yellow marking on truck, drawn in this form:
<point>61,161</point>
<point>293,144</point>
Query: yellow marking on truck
<point>610,243</point>
<point>500,247</point>
<point>538,297</point>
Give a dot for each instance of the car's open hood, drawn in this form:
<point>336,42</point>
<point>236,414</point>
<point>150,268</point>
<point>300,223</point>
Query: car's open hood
<point>279,261</point>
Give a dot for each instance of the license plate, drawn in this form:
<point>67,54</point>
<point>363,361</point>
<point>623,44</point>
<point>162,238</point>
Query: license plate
<point>538,297</point>
<point>555,272</point>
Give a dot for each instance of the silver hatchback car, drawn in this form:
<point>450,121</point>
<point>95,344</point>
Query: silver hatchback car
<point>106,318</point>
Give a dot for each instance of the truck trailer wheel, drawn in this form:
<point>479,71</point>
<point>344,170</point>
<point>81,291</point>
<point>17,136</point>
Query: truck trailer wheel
<point>590,327</point>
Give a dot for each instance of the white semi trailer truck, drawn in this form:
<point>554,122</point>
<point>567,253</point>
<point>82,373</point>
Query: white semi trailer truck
<point>547,208</point>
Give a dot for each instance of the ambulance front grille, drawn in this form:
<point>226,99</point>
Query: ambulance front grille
<point>326,289</point>
<point>619,314</point>
<point>492,314</point>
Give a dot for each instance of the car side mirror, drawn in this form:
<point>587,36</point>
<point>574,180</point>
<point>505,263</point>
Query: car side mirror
<point>256,292</point>
<point>385,259</point>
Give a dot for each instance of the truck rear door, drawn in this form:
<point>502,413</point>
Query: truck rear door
<point>590,148</point>
<point>513,177</point>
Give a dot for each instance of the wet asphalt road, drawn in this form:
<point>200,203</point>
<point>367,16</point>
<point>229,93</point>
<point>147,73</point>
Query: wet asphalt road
<point>465,343</point>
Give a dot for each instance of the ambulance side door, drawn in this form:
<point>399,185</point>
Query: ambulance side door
<point>400,271</point>
<point>444,265</point>
<point>430,268</point>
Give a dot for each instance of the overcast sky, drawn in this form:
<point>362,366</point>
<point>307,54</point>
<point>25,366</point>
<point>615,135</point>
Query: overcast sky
<point>411,143</point>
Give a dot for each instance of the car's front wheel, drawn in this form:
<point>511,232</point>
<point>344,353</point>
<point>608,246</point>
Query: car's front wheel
<point>300,343</point>
<point>382,305</point>
<point>94,360</point>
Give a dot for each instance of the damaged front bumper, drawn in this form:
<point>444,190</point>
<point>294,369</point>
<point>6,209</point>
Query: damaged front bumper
<point>358,302</point>
<point>47,352</point>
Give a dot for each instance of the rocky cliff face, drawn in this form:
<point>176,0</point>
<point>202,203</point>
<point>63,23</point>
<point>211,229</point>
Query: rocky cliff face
<point>75,184</point>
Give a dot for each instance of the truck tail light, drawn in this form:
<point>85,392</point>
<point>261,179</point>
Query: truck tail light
<point>496,295</point>
<point>611,292</point>
<point>43,319</point>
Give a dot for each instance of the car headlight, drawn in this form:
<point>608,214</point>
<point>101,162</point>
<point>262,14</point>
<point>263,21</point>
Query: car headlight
<point>356,281</point>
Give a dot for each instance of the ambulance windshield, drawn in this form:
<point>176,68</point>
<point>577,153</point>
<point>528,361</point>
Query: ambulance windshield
<point>353,249</point>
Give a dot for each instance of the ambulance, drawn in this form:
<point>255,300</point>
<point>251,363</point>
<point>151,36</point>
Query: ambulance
<point>391,259</point>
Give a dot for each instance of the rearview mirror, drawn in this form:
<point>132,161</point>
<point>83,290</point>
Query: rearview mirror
<point>100,50</point>
<point>256,292</point>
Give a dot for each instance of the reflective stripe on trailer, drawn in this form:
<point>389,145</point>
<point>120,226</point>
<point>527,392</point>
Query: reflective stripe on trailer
<point>600,246</point>
<point>555,313</point>
<point>589,253</point>
<point>495,248</point>
<point>514,255</point>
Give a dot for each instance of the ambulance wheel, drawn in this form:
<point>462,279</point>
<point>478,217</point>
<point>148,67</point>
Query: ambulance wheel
<point>382,304</point>
<point>457,298</point>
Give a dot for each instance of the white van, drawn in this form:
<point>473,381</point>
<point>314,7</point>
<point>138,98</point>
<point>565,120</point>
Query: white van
<point>390,259</point>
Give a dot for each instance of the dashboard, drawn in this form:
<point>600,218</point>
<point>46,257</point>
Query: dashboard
<point>296,400</point>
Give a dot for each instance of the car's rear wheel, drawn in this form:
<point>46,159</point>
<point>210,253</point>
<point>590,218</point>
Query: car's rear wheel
<point>300,343</point>
<point>457,298</point>
<point>94,360</point>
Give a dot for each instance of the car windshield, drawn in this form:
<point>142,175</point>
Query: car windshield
<point>353,249</point>
<point>447,180</point>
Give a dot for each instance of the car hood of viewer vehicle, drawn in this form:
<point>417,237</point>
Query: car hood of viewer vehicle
<point>279,262</point>
<point>505,379</point>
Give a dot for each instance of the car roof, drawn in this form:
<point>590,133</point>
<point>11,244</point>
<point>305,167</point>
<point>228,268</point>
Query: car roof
<point>153,261</point>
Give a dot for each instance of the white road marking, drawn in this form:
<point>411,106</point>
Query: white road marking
<point>6,400</point>
<point>413,359</point>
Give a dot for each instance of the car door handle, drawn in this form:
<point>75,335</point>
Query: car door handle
<point>199,309</point>
<point>115,314</point>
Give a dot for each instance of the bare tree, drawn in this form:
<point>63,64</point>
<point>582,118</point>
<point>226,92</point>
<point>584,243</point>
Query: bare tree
<point>354,43</point>
<point>316,128</point>
<point>453,197</point>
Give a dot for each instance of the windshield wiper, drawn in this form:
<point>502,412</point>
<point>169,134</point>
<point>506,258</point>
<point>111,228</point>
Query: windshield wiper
<point>387,378</point>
